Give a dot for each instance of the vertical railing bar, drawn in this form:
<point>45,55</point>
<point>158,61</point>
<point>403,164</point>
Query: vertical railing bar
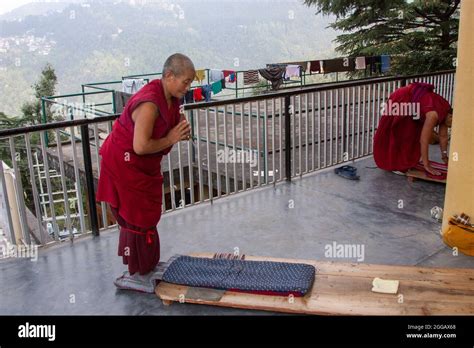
<point>325,128</point>
<point>234,139</point>
<point>280,119</point>
<point>293,131</point>
<point>226,169</point>
<point>198,146</point>
<point>313,144</point>
<point>258,145</point>
<point>273,140</point>
<point>209,170</point>
<point>34,188</point>
<point>80,202</point>
<point>191,143</point>
<point>216,127</point>
<point>337,126</point>
<point>48,186</point>
<point>7,204</point>
<point>19,193</point>
<point>242,134</point>
<point>182,202</point>
<point>250,151</point>
<point>319,130</point>
<point>171,176</point>
<point>331,159</point>
<point>306,131</point>
<point>102,204</point>
<point>63,183</point>
<point>363,120</point>
<point>265,141</point>
<point>352,110</point>
<point>372,131</point>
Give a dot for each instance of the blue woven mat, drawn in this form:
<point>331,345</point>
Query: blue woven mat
<point>241,274</point>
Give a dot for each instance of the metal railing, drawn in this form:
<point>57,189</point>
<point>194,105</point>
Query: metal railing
<point>237,145</point>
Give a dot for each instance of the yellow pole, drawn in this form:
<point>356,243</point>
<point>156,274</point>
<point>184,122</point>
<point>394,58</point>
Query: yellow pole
<point>460,182</point>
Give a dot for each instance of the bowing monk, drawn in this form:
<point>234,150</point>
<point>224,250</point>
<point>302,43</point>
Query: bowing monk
<point>131,180</point>
<point>405,130</point>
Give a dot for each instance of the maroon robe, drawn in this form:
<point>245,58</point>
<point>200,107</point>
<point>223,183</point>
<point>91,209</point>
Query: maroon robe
<point>397,139</point>
<point>132,184</point>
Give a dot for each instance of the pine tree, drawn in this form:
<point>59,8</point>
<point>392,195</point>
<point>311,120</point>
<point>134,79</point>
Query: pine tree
<point>420,35</point>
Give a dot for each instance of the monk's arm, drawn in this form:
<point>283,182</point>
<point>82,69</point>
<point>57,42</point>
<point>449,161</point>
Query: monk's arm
<point>144,117</point>
<point>430,122</point>
<point>443,141</point>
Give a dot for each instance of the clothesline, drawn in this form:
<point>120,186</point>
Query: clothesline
<point>278,73</point>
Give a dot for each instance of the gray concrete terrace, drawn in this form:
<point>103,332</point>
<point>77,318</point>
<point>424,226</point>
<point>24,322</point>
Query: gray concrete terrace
<point>326,209</point>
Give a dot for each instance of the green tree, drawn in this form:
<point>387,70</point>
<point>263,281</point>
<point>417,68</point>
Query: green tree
<point>46,86</point>
<point>421,35</point>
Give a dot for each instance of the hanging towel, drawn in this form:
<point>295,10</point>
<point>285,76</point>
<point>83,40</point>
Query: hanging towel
<point>200,75</point>
<point>228,72</point>
<point>338,65</point>
<point>206,92</point>
<point>216,87</point>
<point>274,75</point>
<point>375,63</point>
<point>189,97</point>
<point>215,75</point>
<point>232,78</point>
<point>385,66</point>
<point>250,77</point>
<point>360,63</point>
<point>197,94</point>
<point>234,275</point>
<point>223,83</point>
<point>315,66</point>
<point>303,65</point>
<point>292,71</point>
<point>132,86</point>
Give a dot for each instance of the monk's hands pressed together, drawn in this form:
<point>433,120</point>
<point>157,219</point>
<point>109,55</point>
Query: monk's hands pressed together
<point>180,132</point>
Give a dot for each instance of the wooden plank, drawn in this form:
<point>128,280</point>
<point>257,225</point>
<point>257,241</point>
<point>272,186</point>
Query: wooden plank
<point>414,174</point>
<point>345,289</point>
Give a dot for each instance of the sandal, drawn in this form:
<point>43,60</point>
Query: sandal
<point>347,172</point>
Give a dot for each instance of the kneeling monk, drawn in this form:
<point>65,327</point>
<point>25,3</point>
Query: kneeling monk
<point>405,130</point>
<point>130,179</point>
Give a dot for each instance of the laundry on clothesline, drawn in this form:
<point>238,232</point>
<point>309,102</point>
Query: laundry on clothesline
<point>215,75</point>
<point>200,75</point>
<point>250,77</point>
<point>132,86</point>
<point>292,71</point>
<point>274,75</point>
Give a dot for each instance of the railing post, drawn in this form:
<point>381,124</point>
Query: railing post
<point>86,151</point>
<point>287,139</point>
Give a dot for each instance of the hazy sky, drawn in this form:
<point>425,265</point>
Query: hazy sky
<point>8,5</point>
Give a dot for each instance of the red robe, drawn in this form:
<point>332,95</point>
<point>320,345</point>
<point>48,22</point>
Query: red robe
<point>397,139</point>
<point>132,184</point>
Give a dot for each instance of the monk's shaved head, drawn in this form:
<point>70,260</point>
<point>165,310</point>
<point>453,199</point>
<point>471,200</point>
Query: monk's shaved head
<point>177,64</point>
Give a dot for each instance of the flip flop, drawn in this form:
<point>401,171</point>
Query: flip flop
<point>347,172</point>
<point>136,282</point>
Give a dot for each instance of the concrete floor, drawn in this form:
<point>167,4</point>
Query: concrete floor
<point>78,279</point>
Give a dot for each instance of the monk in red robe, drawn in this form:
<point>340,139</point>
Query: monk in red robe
<point>131,179</point>
<point>405,130</point>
